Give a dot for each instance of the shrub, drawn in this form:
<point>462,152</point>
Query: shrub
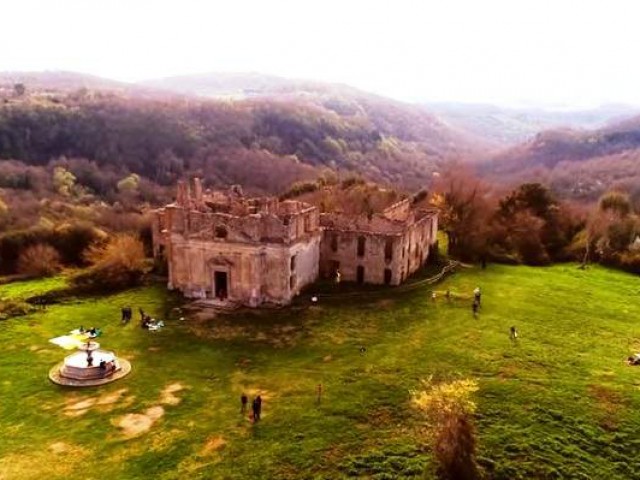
<point>13,308</point>
<point>39,260</point>
<point>69,241</point>
<point>299,188</point>
<point>449,409</point>
<point>119,263</point>
<point>630,261</point>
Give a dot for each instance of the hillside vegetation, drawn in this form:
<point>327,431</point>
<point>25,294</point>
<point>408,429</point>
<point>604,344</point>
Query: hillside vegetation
<point>580,164</point>
<point>263,142</point>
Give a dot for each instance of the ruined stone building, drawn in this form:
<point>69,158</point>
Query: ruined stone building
<point>382,248</point>
<point>228,248</point>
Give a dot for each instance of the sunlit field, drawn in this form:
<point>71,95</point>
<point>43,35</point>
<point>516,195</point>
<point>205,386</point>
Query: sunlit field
<point>558,403</point>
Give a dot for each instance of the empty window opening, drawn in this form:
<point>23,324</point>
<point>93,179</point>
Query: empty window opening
<point>334,242</point>
<point>221,231</point>
<point>361,245</point>
<point>293,263</point>
<point>360,274</point>
<point>388,249</point>
<point>292,282</point>
<point>387,276</point>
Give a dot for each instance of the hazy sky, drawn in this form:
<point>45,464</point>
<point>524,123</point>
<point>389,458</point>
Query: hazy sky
<point>575,53</point>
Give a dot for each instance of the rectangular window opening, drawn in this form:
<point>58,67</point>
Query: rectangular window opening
<point>388,249</point>
<point>361,245</point>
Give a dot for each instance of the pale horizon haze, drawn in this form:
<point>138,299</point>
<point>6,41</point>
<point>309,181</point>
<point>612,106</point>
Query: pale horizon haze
<point>563,53</point>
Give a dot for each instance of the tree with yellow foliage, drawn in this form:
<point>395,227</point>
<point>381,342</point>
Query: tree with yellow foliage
<point>448,409</point>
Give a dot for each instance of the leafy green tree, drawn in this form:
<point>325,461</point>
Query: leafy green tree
<point>63,181</point>
<point>129,184</point>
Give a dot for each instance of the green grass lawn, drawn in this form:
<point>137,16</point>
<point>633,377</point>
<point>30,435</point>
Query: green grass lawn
<point>24,290</point>
<point>560,403</point>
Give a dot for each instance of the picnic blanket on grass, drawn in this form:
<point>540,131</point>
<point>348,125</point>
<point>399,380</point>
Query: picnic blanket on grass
<point>69,342</point>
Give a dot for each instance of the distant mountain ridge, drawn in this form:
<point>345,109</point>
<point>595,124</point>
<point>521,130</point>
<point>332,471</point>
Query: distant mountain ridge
<point>510,126</point>
<point>577,163</point>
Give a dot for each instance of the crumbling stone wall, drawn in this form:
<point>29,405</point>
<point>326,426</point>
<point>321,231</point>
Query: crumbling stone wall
<point>266,252</point>
<point>251,251</point>
<point>375,250</point>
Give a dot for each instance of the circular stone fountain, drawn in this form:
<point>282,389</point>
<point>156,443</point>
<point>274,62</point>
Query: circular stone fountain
<point>83,368</point>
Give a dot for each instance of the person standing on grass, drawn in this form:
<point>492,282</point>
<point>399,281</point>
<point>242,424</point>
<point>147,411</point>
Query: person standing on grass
<point>254,410</point>
<point>513,334</point>
<point>259,402</point>
<point>243,403</point>
<point>477,294</point>
<point>474,307</point>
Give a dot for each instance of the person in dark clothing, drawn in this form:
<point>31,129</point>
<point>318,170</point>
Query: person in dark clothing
<point>259,403</point>
<point>126,314</point>
<point>477,294</point>
<point>513,333</point>
<point>243,403</point>
<point>255,409</point>
<point>474,307</point>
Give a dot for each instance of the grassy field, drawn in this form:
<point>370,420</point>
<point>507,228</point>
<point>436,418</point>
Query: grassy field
<point>560,403</point>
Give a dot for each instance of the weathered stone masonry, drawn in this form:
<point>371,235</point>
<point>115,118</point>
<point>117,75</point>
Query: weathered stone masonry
<point>382,248</point>
<point>228,248</point>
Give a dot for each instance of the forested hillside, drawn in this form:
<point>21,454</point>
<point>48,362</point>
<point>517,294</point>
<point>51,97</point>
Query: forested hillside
<point>79,148</point>
<point>581,164</point>
<point>263,143</point>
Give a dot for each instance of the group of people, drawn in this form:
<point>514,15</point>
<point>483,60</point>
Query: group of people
<point>149,323</point>
<point>93,332</point>
<point>475,307</point>
<point>107,368</point>
<point>256,406</point>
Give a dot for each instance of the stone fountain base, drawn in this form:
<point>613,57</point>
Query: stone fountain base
<point>75,372</point>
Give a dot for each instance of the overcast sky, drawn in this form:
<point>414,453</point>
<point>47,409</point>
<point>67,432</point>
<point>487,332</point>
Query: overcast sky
<point>512,52</point>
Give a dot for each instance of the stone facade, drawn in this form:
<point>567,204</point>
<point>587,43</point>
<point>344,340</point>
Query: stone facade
<point>227,248</point>
<point>383,248</point>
